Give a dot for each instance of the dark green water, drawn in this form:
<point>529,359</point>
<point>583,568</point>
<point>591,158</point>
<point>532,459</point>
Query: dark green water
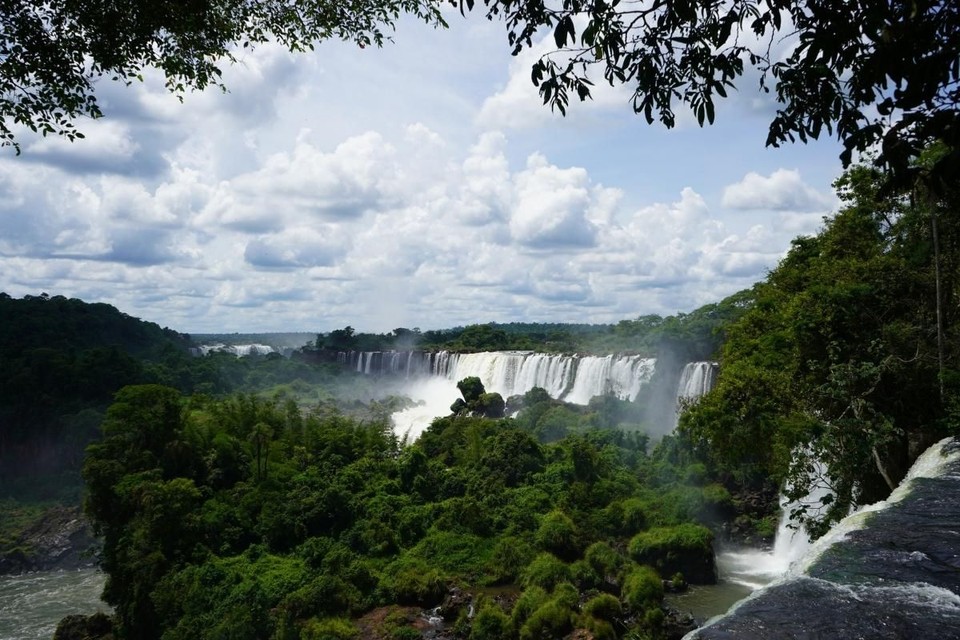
<point>33,603</point>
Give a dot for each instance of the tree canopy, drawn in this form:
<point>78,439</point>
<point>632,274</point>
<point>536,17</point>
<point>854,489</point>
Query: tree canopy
<point>878,75</point>
<point>53,53</point>
<point>845,366</point>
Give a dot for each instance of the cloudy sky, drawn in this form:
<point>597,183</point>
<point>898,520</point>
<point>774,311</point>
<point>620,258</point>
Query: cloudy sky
<point>419,185</point>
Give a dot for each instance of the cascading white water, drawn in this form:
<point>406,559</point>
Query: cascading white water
<point>238,350</point>
<point>696,380</point>
<point>932,463</point>
<point>755,568</point>
<point>887,571</point>
<point>570,378</point>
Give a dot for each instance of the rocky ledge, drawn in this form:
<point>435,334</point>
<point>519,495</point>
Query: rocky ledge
<point>60,539</point>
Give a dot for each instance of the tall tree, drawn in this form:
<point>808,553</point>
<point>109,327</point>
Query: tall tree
<point>845,363</point>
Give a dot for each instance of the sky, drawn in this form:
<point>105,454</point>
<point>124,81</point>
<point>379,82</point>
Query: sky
<point>423,185</point>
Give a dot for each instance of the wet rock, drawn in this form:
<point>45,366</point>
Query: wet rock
<point>457,599</point>
<point>677,624</point>
<point>79,627</point>
<point>61,539</point>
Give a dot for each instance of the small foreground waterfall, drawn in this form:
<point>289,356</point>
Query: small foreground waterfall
<point>756,568</point>
<point>890,571</point>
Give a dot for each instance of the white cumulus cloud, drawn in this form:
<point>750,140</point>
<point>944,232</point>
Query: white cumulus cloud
<point>783,190</point>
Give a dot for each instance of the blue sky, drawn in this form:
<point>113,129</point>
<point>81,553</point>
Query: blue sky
<point>422,184</point>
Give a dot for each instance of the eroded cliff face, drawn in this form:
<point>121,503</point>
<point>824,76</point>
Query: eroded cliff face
<point>888,572</point>
<point>60,539</point>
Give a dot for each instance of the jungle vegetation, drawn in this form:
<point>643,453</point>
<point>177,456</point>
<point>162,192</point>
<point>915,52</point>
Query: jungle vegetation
<point>845,367</point>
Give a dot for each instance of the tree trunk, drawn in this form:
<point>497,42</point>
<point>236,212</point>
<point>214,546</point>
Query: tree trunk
<point>936,266</point>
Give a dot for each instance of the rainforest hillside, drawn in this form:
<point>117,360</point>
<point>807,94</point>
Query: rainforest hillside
<point>847,364</point>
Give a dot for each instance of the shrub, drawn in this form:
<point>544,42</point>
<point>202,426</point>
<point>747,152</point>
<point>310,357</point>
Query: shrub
<point>686,548</point>
<point>634,516</point>
<point>459,553</point>
<point>583,575</point>
<point>328,629</point>
<point>642,588</point>
<point>490,623</point>
<point>508,558</point>
<point>313,550</point>
<point>411,581</point>
<point>325,594</point>
<point>603,559</point>
<point>566,594</point>
<point>557,534</point>
<point>603,607</point>
<point>528,602</point>
<point>545,571</point>
<point>405,633</point>
<point>599,629</point>
<point>551,620</point>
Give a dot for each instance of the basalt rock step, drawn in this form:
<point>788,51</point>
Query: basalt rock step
<point>888,574</point>
<point>61,539</point>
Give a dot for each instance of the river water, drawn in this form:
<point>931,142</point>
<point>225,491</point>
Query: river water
<point>31,604</point>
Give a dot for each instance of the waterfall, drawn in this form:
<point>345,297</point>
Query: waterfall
<point>696,380</point>
<point>238,350</point>
<point>571,378</point>
<point>887,571</point>
<point>755,568</point>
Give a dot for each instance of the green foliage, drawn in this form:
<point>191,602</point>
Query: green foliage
<point>464,554</point>
<point>603,559</point>
<point>685,548</point>
<point>246,516</point>
<point>642,589</point>
<point>599,629</point>
<point>490,623</point>
<point>529,601</point>
<point>476,401</point>
<point>61,361</point>
<point>551,620</point>
<point>545,571</point>
<point>232,597</point>
<point>838,358</point>
<point>510,555</point>
<point>557,534</point>
<point>604,607</point>
<point>412,581</point>
<point>49,82</point>
<point>328,629</point>
<point>691,53</point>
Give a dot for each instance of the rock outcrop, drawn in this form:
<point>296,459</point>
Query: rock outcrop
<point>60,539</point>
<point>889,572</point>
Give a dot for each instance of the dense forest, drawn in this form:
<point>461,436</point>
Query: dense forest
<point>687,336</point>
<point>845,367</point>
<point>248,518</point>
